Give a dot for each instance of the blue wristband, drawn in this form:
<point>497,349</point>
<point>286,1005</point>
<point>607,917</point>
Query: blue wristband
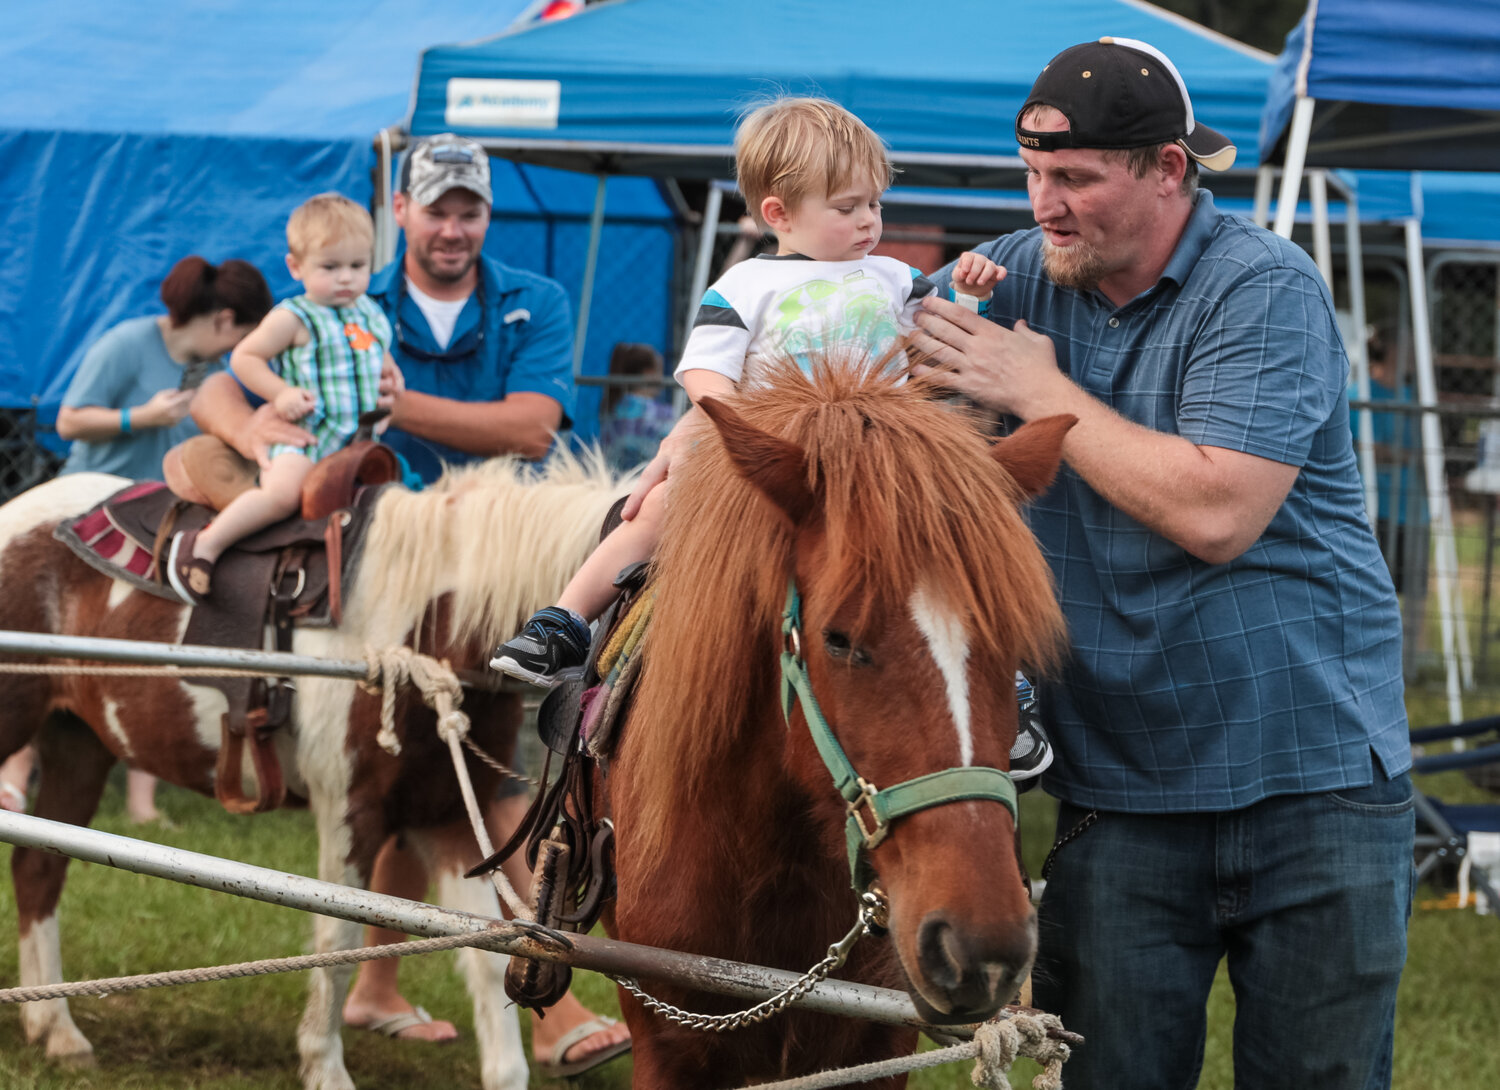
<point>124,421</point>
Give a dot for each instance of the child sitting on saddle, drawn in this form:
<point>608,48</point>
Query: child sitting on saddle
<point>813,173</point>
<point>319,358</point>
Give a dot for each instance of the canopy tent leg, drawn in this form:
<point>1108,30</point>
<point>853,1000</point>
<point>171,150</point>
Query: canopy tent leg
<point>1444,556</point>
<point>1359,355</point>
<point>590,268</point>
<point>385,216</point>
<point>1317,190</point>
<point>712,209</point>
<point>1265,176</point>
<point>1291,172</point>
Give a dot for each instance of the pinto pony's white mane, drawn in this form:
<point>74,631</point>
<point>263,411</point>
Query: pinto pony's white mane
<point>501,537</point>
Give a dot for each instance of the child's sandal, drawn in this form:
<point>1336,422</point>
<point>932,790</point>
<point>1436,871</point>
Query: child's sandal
<point>190,576</point>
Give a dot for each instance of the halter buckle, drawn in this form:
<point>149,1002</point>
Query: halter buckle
<point>876,830</point>
<point>792,642</point>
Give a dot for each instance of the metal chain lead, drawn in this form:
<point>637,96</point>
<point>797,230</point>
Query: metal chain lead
<point>872,911</point>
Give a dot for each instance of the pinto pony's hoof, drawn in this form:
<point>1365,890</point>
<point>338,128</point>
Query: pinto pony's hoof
<point>69,1054</point>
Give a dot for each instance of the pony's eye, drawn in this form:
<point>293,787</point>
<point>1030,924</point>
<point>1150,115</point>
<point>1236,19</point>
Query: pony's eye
<point>839,646</point>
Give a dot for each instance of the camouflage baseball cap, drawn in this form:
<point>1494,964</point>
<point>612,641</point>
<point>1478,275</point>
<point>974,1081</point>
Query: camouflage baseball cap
<point>437,164</point>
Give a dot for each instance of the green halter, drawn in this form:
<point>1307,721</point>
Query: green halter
<point>872,810</point>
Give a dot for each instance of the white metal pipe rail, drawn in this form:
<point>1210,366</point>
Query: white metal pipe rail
<point>144,652</point>
<point>602,955</point>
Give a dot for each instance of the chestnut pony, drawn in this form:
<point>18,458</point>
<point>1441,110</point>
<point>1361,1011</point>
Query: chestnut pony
<point>450,571</point>
<point>921,592</point>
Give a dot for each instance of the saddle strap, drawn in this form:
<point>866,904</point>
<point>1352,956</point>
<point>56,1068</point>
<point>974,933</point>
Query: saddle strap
<point>333,546</point>
<point>229,786</point>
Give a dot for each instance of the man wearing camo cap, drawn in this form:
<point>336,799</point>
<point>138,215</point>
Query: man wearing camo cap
<point>487,354</point>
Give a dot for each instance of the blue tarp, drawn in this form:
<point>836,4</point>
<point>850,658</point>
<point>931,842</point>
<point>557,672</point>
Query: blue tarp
<point>129,139</point>
<point>656,86</point>
<point>1400,84</point>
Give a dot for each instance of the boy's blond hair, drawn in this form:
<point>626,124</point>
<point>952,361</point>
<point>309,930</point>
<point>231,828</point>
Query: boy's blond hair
<point>325,219</point>
<point>795,148</point>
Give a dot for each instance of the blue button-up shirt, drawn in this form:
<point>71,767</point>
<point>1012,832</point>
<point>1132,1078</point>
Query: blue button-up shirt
<point>522,340</point>
<point>1193,686</point>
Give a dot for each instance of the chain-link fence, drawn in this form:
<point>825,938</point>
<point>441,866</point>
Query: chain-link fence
<point>24,459</point>
<point>1440,547</point>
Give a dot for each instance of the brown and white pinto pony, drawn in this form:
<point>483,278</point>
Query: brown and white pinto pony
<point>451,571</point>
<point>922,592</point>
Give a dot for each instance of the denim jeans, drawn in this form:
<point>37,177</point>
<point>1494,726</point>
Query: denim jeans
<point>1307,896</point>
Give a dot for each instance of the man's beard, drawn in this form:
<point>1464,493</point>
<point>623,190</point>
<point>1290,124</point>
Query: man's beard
<point>1078,266</point>
<point>444,274</point>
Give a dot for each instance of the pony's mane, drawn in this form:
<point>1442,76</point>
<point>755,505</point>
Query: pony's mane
<point>909,495</point>
<point>502,537</point>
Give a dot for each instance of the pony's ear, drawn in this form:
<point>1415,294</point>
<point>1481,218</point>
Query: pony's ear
<point>1032,453</point>
<point>773,465</point>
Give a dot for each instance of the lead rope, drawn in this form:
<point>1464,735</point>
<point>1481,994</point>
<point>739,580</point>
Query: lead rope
<point>994,1049</point>
<point>443,693</point>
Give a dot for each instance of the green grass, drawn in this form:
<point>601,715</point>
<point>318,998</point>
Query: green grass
<point>241,1034</point>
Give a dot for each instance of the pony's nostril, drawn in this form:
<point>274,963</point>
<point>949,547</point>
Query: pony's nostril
<point>941,952</point>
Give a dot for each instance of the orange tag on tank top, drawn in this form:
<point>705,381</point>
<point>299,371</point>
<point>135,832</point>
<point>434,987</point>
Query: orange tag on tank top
<point>359,338</point>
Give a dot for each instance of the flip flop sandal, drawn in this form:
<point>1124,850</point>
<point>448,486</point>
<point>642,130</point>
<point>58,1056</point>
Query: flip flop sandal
<point>190,576</point>
<point>559,1068</point>
<point>396,1024</point>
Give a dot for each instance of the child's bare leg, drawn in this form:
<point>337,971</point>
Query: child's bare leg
<point>279,495</point>
<point>593,587</point>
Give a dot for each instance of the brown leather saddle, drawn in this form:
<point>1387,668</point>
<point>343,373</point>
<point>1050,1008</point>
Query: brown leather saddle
<point>566,834</point>
<point>292,573</point>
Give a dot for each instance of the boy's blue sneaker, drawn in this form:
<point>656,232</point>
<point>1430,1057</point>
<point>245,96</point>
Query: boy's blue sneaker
<point>552,640</point>
<point>1032,753</point>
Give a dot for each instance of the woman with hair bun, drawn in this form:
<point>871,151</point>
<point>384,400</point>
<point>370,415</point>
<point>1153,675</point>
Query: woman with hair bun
<point>127,406</point>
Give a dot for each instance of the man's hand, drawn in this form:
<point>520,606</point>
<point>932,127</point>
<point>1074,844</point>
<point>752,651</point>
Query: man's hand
<point>1009,370</point>
<point>976,275</point>
<point>266,428</point>
<point>163,409</point>
<point>392,384</point>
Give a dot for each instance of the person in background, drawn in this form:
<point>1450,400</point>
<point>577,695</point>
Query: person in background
<point>634,419</point>
<point>486,352</point>
<point>127,406</point>
<point>1232,746</point>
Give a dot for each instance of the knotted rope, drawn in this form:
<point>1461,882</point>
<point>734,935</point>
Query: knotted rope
<point>392,667</point>
<point>994,1049</point>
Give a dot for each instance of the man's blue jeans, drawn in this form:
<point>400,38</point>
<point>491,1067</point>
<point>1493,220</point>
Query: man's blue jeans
<point>1307,896</point>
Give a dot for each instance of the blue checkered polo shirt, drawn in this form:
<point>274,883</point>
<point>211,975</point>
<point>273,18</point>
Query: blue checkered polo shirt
<point>1194,686</point>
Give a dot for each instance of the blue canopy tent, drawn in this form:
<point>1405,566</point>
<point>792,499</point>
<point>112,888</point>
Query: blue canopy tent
<point>128,142</point>
<point>656,87</point>
<point>1396,84</point>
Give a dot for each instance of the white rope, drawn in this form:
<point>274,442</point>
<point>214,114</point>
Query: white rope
<point>994,1049</point>
<point>110,985</point>
<point>443,693</point>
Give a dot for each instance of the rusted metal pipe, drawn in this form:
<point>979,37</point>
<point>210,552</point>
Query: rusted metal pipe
<point>602,955</point>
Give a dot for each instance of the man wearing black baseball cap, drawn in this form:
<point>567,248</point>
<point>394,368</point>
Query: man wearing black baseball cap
<point>1232,747</point>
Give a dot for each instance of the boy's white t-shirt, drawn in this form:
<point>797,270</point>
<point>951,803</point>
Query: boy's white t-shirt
<point>441,314</point>
<point>771,307</point>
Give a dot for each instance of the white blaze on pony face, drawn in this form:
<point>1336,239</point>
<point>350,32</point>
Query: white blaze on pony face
<point>949,644</point>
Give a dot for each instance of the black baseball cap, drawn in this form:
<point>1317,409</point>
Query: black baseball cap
<point>1120,93</point>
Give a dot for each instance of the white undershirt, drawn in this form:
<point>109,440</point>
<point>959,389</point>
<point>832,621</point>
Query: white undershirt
<point>441,314</point>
